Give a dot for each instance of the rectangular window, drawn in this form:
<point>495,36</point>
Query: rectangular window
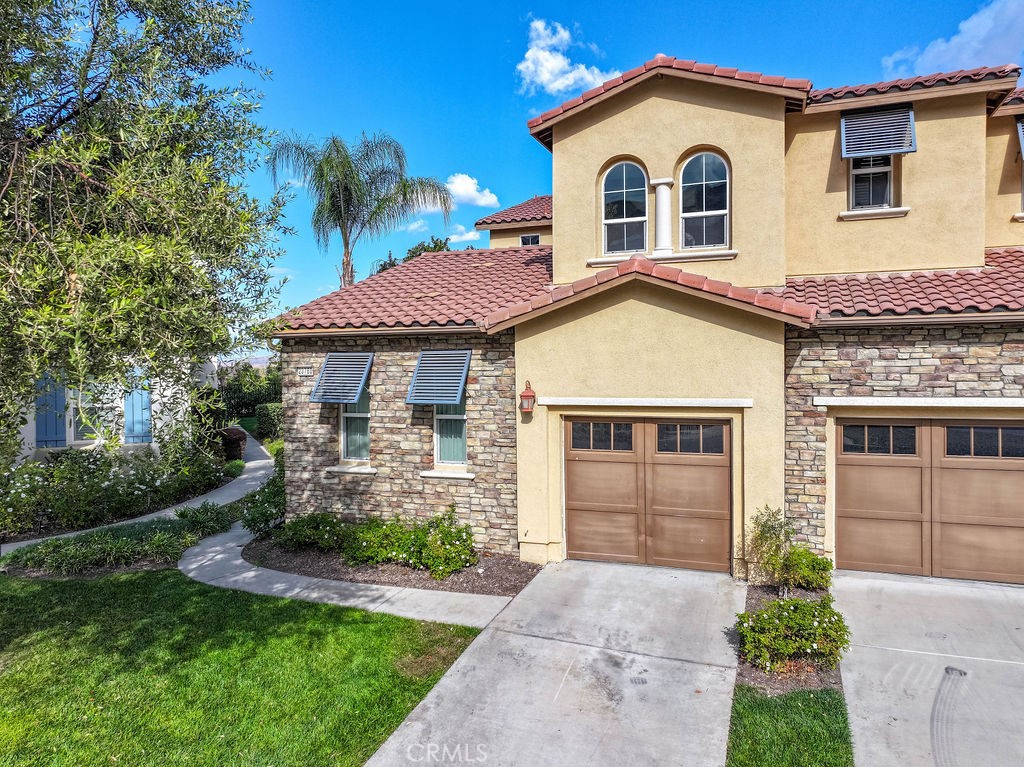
<point>450,433</point>
<point>985,441</point>
<point>695,438</point>
<point>602,435</point>
<point>87,411</point>
<point>880,439</point>
<point>871,182</point>
<point>529,239</point>
<point>355,429</point>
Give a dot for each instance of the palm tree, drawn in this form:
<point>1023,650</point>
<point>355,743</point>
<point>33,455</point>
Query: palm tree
<point>357,190</point>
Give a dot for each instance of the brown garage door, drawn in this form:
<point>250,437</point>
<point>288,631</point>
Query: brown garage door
<point>649,491</point>
<point>931,497</point>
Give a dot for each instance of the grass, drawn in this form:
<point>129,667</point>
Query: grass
<point>248,423</point>
<point>153,668</point>
<point>799,729</point>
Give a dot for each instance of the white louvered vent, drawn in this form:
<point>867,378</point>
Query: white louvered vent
<point>866,134</point>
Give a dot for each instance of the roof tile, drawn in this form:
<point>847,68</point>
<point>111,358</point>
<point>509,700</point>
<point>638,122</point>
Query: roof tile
<point>535,209</point>
<point>825,95</point>
<point>999,285</point>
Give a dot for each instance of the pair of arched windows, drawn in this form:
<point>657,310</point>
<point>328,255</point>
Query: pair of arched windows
<point>703,205</point>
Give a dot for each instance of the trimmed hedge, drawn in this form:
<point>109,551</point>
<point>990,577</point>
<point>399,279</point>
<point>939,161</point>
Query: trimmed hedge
<point>269,420</point>
<point>793,629</point>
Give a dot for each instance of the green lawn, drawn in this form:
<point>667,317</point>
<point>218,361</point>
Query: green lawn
<point>248,423</point>
<point>153,668</point>
<point>801,729</point>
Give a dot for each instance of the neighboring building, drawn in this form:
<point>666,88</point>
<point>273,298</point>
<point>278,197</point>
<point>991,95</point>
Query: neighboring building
<point>742,292</point>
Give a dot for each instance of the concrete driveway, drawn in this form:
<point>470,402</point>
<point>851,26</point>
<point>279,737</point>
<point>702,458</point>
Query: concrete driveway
<point>592,664</point>
<point>935,677</point>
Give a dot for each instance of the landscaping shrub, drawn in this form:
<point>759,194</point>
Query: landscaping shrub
<point>769,543</point>
<point>263,509</point>
<point>269,420</point>
<point>323,531</point>
<point>247,387</point>
<point>440,545</point>
<point>207,519</point>
<point>232,440</point>
<point>23,498</point>
<point>793,629</point>
<point>274,447</point>
<point>234,468</point>
<point>802,568</point>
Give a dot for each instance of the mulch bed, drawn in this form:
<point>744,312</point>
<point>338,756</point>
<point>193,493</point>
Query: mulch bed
<point>495,574</point>
<point>800,675</point>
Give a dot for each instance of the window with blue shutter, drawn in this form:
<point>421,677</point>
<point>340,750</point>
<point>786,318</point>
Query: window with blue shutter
<point>138,415</point>
<point>869,134</point>
<point>439,378</point>
<point>1020,132</point>
<point>342,378</point>
<point>51,407</point>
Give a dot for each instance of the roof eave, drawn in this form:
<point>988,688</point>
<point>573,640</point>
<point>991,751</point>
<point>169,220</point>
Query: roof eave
<point>514,224</point>
<point>951,318</point>
<point>895,96</point>
<point>542,131</point>
<point>401,330</point>
<point>556,305</point>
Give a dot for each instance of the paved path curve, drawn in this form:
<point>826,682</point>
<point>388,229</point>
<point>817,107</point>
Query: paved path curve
<point>259,467</point>
<point>217,560</point>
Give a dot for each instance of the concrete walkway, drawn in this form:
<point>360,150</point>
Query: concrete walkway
<point>259,466</point>
<point>935,676</point>
<point>217,560</point>
<point>592,664</point>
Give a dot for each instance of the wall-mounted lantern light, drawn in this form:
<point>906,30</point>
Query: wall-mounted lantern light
<point>527,399</point>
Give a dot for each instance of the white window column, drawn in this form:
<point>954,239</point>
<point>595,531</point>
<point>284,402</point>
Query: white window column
<point>662,215</point>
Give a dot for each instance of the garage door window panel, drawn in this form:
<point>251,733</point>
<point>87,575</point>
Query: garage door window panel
<point>985,441</point>
<point>601,435</point>
<point>880,439</point>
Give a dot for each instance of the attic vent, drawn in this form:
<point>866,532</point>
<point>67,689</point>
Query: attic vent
<point>342,377</point>
<point>869,134</point>
<point>439,378</point>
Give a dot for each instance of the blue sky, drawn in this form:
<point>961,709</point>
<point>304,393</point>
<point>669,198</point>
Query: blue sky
<point>456,82</point>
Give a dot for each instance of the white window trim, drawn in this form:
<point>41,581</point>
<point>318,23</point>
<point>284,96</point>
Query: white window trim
<point>705,213</point>
<point>437,440</point>
<point>343,418</point>
<point>888,170</point>
<point>524,236</point>
<point>635,219</point>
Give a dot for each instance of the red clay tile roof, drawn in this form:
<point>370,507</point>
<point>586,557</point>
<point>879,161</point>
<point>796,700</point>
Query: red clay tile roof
<point>999,285</point>
<point>455,288</point>
<point>1015,97</point>
<point>636,267</point>
<point>914,83</point>
<point>535,209</point>
<point>670,62</point>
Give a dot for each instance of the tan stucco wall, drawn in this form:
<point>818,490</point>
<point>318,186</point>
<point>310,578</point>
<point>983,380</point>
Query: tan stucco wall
<point>943,183</point>
<point>646,341</point>
<point>509,238</point>
<point>1004,184</point>
<point>659,124</point>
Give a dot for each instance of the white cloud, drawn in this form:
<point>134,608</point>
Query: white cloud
<point>993,35</point>
<point>466,189</point>
<point>295,183</point>
<point>461,234</point>
<point>419,225</point>
<point>546,67</point>
<point>280,271</point>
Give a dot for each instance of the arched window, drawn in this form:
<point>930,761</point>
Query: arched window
<point>625,209</point>
<point>704,202</point>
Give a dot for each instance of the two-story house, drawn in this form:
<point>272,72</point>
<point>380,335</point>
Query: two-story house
<point>742,291</point>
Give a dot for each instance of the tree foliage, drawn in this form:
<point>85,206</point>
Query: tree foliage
<point>433,245</point>
<point>357,190</point>
<point>129,248</point>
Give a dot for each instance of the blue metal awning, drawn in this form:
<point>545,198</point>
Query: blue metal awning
<point>440,378</point>
<point>342,377</point>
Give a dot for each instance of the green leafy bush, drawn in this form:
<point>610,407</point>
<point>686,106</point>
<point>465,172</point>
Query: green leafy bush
<point>247,388</point>
<point>323,531</point>
<point>802,568</point>
<point>770,540</point>
<point>448,546</point>
<point>275,447</point>
<point>793,629</point>
<point>234,468</point>
<point>264,508</point>
<point>269,420</point>
<point>207,519</point>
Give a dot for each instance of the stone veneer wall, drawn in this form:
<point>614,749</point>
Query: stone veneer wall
<point>402,436</point>
<point>968,361</point>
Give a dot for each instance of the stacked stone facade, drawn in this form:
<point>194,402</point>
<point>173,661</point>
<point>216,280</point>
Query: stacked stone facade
<point>402,437</point>
<point>966,361</point>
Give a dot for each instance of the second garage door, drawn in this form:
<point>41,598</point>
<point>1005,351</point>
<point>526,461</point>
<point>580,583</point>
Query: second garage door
<point>931,497</point>
<point>649,491</point>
